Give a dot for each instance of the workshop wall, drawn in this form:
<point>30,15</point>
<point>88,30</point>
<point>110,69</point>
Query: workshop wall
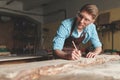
<point>106,36</point>
<point>6,33</point>
<point>115,16</point>
<point>49,32</point>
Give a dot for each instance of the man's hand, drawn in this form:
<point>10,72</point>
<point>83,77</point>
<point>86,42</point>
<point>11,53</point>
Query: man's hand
<point>94,53</point>
<point>76,54</point>
<point>91,55</point>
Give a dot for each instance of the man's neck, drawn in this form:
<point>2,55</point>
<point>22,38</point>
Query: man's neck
<point>79,30</point>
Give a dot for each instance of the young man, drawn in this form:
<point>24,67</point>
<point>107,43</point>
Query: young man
<point>74,31</point>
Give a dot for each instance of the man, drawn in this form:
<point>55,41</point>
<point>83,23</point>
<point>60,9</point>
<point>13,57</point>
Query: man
<point>74,31</point>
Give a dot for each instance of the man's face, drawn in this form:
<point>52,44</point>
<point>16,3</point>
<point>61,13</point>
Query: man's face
<point>84,19</point>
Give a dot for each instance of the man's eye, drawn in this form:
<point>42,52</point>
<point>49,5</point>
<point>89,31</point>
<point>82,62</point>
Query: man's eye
<point>87,20</point>
<point>80,16</point>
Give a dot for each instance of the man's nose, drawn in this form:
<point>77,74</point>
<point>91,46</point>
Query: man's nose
<point>82,20</point>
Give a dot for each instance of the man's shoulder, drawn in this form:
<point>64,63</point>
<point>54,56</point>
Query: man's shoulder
<point>91,26</point>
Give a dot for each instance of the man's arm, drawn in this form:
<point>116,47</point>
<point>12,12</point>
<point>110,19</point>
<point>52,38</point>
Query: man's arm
<point>95,42</point>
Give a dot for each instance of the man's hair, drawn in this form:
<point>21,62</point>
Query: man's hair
<point>91,9</point>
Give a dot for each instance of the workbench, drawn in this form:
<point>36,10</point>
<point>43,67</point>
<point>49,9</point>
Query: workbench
<point>103,67</point>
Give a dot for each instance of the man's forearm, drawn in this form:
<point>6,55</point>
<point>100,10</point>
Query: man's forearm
<point>60,53</point>
<point>98,50</point>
